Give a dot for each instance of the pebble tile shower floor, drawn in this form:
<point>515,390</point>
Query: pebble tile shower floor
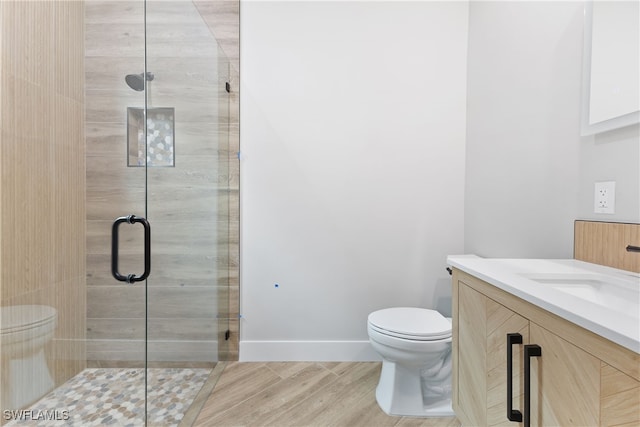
<point>115,396</point>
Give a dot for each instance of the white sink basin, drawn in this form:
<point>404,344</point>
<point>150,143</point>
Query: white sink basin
<point>620,295</point>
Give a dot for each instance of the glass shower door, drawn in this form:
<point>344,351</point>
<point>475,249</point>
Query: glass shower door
<point>187,160</point>
<point>118,237</point>
<point>166,186</point>
<point>72,339</point>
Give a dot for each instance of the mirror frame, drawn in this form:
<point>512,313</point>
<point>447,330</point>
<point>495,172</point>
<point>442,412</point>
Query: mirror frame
<point>605,125</point>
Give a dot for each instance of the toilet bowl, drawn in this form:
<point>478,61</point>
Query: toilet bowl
<point>24,331</point>
<point>415,346</point>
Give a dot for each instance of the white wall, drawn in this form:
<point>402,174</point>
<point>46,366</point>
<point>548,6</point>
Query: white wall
<point>524,152</point>
<point>352,170</point>
<point>611,156</point>
<point>353,140</point>
<point>529,174</point>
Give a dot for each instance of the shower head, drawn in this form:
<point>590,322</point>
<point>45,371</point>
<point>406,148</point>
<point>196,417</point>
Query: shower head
<point>136,81</point>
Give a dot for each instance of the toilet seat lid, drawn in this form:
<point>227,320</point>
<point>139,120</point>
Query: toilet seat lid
<point>15,318</point>
<point>411,323</point>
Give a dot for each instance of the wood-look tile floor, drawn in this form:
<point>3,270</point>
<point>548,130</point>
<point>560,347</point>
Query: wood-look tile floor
<point>301,395</point>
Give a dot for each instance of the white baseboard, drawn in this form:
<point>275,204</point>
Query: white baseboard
<point>307,351</point>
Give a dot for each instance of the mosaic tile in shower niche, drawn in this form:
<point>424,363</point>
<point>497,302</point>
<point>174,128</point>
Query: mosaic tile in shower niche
<point>159,145</point>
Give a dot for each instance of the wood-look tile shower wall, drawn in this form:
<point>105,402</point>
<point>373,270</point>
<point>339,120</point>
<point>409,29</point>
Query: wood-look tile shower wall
<point>42,165</point>
<point>192,207</point>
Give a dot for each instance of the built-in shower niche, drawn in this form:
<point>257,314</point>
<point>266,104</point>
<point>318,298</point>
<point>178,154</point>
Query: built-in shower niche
<point>158,148</point>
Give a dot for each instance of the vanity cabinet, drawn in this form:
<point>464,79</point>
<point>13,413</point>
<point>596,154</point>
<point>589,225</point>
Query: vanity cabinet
<point>572,383</point>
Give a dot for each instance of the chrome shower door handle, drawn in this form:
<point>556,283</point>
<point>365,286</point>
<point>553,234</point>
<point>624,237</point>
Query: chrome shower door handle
<point>130,278</point>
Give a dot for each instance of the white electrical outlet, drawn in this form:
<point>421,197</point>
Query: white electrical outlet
<point>604,200</point>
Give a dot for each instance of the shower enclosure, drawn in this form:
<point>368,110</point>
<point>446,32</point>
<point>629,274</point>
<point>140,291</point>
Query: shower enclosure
<point>119,159</point>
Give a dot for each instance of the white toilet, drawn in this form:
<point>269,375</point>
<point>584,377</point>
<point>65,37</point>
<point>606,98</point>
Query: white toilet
<point>415,345</point>
<point>24,331</point>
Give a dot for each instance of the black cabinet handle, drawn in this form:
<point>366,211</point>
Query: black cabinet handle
<point>512,414</point>
<point>631,248</point>
<point>530,350</point>
<point>130,219</point>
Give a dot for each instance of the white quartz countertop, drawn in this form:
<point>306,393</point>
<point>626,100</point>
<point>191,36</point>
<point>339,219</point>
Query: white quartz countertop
<point>601,299</point>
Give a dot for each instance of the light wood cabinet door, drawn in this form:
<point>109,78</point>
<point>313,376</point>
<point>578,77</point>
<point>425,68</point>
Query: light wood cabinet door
<point>565,382</point>
<point>619,398</point>
<point>483,325</point>
<point>471,406</point>
<point>500,322</point>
